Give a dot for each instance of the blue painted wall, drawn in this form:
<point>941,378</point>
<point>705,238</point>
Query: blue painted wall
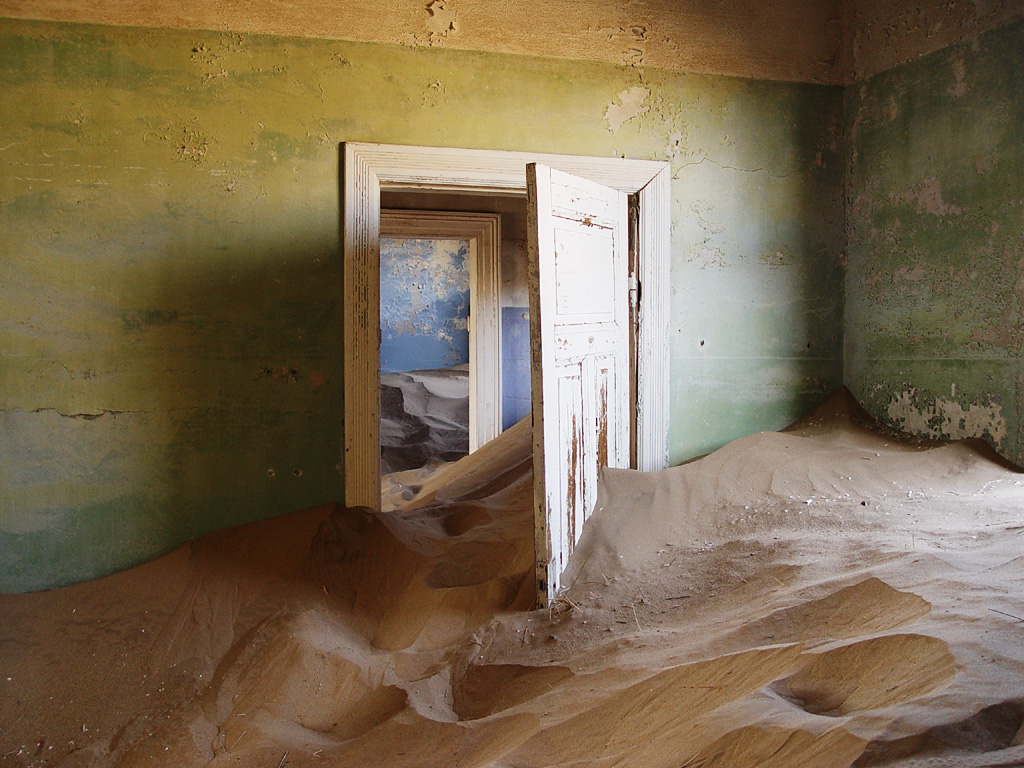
<point>424,303</point>
<point>515,364</point>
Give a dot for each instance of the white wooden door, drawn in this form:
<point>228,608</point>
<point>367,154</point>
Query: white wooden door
<point>579,328</point>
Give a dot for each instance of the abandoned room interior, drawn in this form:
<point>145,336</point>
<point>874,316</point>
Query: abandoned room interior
<point>227,535</point>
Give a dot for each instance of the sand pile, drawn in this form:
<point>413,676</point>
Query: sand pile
<point>826,596</point>
<point>424,417</point>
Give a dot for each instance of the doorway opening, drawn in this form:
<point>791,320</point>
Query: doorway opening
<point>454,341</point>
<point>370,170</point>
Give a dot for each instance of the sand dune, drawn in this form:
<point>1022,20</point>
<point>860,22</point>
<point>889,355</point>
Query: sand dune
<point>831,595</point>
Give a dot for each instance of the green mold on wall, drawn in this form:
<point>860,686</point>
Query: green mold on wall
<point>170,323</point>
<point>935,292</point>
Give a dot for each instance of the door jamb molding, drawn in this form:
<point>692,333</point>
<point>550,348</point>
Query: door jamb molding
<point>365,168</point>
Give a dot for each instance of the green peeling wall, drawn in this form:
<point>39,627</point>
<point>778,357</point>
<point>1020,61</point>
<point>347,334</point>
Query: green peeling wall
<point>935,290</point>
<point>170,270</point>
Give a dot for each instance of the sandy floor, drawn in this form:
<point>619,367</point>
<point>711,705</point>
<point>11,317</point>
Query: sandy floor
<point>824,596</point>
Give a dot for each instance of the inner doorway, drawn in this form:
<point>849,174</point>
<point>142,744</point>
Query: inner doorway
<point>454,349</point>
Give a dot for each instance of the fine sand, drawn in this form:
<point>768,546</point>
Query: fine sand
<point>829,595</point>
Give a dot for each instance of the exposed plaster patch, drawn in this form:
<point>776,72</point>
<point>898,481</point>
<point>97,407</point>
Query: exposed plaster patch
<point>285,373</point>
<point>631,104</point>
<point>435,95</point>
<point>442,19</point>
<point>190,144</point>
<point>945,418</point>
<point>706,253</point>
<point>778,258</point>
<point>675,143</point>
<point>908,274</point>
<point>927,197</point>
<point>706,256</point>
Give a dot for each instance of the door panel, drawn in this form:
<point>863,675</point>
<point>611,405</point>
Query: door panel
<point>579,316</point>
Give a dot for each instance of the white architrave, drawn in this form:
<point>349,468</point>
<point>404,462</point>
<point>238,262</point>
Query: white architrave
<point>366,167</point>
<point>483,231</point>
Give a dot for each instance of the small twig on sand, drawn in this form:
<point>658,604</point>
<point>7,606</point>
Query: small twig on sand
<point>238,739</point>
<point>284,759</point>
<point>634,616</point>
<point>1004,613</point>
<point>573,603</point>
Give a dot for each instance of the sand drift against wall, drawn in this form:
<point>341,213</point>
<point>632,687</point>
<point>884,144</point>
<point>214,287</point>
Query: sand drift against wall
<point>824,596</point>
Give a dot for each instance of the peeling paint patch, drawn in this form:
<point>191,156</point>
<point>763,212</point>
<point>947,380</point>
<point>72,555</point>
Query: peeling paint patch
<point>283,373</point>
<point>778,258</point>
<point>424,303</point>
<point>441,18</point>
<point>192,145</point>
<point>631,104</point>
<point>908,274</point>
<point>435,94</point>
<point>945,418</point>
<point>707,253</point>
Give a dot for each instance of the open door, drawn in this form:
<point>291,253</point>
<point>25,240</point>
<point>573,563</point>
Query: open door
<point>579,326</point>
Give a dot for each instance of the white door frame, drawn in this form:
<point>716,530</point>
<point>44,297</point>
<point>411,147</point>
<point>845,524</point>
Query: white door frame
<point>483,231</point>
<point>367,167</point>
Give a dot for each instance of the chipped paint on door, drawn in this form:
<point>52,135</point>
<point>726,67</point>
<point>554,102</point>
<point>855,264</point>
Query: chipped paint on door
<point>579,324</point>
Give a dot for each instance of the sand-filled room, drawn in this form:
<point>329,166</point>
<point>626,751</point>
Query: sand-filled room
<point>474,384</point>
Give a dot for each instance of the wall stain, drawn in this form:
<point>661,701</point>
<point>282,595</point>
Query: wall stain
<point>946,418</point>
<point>137,319</point>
